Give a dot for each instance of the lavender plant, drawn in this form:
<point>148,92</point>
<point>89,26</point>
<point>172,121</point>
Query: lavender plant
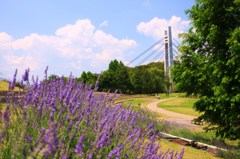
<point>67,119</point>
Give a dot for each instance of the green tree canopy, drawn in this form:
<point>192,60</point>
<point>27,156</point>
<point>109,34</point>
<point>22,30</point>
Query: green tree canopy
<point>148,78</point>
<point>210,64</point>
<point>88,78</point>
<point>116,77</point>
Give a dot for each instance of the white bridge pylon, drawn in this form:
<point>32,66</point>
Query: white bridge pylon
<point>162,50</point>
<point>168,62</point>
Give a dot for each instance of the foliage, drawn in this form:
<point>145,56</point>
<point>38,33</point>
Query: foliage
<point>67,119</point>
<point>141,79</point>
<point>116,77</point>
<point>209,65</point>
<point>88,78</point>
<point>148,78</point>
<point>53,77</point>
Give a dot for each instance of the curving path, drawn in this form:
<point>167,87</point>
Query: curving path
<point>173,118</point>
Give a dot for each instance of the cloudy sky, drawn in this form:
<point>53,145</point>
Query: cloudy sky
<point>75,36</point>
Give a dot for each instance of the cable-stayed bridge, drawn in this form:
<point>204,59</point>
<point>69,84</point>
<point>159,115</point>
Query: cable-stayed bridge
<point>163,50</point>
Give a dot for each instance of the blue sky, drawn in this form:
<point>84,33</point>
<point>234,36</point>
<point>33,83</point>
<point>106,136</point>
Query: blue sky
<point>75,36</point>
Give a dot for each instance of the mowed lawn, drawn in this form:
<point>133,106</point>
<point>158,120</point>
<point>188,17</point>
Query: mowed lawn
<point>180,105</point>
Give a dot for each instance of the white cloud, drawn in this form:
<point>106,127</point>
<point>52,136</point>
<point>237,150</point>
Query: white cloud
<point>5,38</point>
<point>22,62</point>
<point>104,23</point>
<point>74,46</point>
<point>155,28</point>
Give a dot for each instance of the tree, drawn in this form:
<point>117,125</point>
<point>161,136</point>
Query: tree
<point>137,80</point>
<point>53,77</point>
<point>209,65</point>
<point>154,79</point>
<point>116,77</point>
<point>88,78</point>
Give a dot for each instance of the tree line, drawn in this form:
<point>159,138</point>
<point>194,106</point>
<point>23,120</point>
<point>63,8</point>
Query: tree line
<point>144,79</point>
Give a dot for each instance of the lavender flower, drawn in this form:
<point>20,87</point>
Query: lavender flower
<point>64,156</point>
<point>71,108</point>
<point>6,115</point>
<point>89,156</point>
<point>79,146</point>
<point>26,75</point>
<point>46,70</point>
<point>180,156</point>
<point>28,138</point>
<point>51,140</point>
<point>13,82</point>
<point>116,152</point>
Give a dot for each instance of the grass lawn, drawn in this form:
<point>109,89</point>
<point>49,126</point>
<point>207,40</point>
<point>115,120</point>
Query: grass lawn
<point>135,104</point>
<point>135,100</point>
<point>180,105</point>
<point>171,95</point>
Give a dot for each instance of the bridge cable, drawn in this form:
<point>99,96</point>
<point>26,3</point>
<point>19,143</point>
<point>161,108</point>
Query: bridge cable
<point>175,46</point>
<point>176,41</point>
<point>162,57</point>
<point>176,52</point>
<point>145,51</point>
<point>157,56</point>
<point>150,55</point>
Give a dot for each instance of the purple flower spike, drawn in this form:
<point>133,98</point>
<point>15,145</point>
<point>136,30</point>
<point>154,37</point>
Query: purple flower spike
<point>13,83</point>
<point>46,70</point>
<point>115,152</point>
<point>6,115</point>
<point>64,156</point>
<point>26,75</point>
<point>89,156</point>
<point>28,138</point>
<point>180,156</point>
<point>79,146</point>
<point>51,140</point>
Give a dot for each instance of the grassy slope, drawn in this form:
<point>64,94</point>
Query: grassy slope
<point>4,86</point>
<point>180,105</point>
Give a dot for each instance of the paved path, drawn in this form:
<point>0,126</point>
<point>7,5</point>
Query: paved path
<point>173,117</point>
